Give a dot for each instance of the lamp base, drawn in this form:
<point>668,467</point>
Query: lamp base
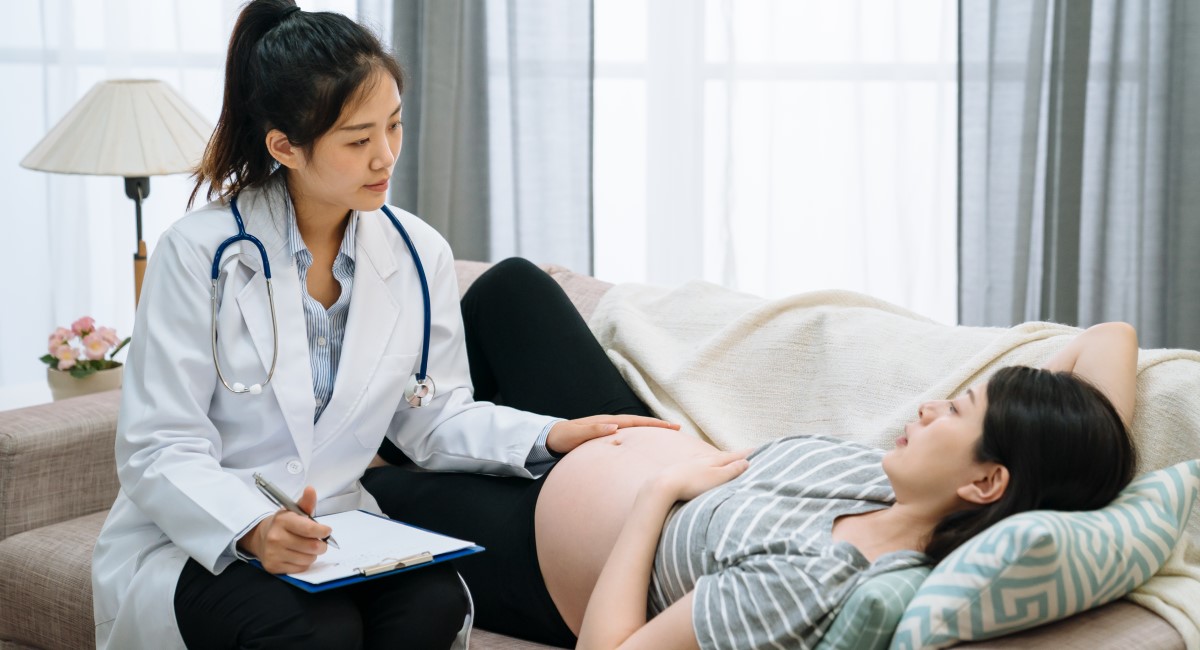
<point>139,270</point>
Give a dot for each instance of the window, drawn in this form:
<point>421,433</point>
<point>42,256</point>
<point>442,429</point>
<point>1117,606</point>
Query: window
<point>779,146</point>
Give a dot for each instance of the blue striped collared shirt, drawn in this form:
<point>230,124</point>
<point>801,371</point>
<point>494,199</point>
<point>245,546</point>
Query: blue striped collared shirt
<point>326,327</point>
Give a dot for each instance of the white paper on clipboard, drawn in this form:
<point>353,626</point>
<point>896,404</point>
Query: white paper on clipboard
<point>368,540</point>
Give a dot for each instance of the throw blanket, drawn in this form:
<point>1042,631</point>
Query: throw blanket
<point>739,371</point>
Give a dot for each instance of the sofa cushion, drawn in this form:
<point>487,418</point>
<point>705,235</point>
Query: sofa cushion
<point>1119,624</point>
<point>56,461</point>
<point>46,585</point>
<point>868,618</point>
<point>1042,566</point>
<point>484,640</point>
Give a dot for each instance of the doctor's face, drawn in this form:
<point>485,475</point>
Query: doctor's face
<point>348,167</point>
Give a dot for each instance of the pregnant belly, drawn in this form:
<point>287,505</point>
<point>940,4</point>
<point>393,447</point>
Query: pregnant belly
<point>586,500</point>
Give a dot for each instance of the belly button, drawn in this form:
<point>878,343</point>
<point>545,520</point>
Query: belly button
<point>616,441</point>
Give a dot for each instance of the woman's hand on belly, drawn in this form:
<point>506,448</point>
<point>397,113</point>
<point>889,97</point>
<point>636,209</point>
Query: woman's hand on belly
<point>688,479</point>
<point>586,500</point>
<point>616,612</point>
<point>566,435</point>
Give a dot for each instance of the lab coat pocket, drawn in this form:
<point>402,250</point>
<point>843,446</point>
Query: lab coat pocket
<point>380,397</point>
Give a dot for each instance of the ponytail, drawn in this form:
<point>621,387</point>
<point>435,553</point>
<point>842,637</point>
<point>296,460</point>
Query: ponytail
<point>290,70</point>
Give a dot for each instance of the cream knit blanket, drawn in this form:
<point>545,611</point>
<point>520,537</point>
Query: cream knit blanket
<point>739,371</point>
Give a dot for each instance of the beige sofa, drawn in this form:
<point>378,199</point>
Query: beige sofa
<point>57,480</point>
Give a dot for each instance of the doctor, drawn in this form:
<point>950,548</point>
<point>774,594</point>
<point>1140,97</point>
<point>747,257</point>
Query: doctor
<point>313,369</point>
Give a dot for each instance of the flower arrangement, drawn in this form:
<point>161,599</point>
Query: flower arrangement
<point>95,343</point>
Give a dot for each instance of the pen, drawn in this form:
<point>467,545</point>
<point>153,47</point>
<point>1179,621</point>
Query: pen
<point>280,499</point>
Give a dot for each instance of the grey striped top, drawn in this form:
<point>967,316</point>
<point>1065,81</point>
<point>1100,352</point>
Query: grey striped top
<point>759,553</point>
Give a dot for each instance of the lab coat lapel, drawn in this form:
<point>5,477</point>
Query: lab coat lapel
<point>292,381</point>
<point>370,324</point>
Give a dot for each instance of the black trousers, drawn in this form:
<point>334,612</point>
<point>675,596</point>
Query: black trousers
<point>529,349</point>
<point>244,607</point>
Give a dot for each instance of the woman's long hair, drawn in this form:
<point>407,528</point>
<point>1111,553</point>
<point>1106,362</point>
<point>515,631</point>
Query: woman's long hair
<point>290,70</point>
<point>1063,442</point>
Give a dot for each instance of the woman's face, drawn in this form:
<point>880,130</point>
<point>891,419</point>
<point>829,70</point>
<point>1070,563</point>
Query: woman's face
<point>349,166</point>
<point>936,455</point>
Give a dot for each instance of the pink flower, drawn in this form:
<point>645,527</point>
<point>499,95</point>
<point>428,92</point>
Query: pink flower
<point>66,356</point>
<point>58,338</point>
<point>109,335</point>
<point>95,343</point>
<point>83,326</point>
<point>94,346</point>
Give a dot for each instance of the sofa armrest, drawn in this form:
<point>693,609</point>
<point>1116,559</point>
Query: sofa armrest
<point>57,461</point>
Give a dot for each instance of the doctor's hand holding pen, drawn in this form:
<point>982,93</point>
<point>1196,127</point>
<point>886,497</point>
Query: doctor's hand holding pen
<point>286,542</point>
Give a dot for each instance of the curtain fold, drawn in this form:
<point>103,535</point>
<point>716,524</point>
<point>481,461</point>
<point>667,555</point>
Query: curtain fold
<point>1078,134</point>
<point>497,125</point>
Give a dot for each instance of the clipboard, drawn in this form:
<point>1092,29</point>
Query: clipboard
<point>374,547</point>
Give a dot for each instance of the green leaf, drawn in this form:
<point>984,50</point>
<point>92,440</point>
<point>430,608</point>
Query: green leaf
<point>79,371</point>
<point>50,360</point>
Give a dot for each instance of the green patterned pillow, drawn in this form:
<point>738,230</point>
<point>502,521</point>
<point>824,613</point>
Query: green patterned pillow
<point>869,616</point>
<point>1042,566</point>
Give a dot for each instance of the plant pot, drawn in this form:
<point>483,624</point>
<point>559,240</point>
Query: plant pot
<point>63,385</point>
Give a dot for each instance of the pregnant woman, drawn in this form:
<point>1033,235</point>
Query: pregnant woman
<point>767,545</point>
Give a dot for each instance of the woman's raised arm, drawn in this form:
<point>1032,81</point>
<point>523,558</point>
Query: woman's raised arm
<point>1105,355</point>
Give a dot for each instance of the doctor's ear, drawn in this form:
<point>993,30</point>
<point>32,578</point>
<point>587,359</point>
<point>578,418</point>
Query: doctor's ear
<point>283,151</point>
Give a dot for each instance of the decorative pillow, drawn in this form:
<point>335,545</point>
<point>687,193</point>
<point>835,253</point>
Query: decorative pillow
<point>869,616</point>
<point>1042,566</point>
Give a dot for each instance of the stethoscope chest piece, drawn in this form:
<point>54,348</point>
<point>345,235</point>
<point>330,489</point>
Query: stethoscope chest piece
<point>419,392</point>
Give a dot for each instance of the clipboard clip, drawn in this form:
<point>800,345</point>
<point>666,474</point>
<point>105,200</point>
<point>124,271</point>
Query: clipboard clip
<point>392,564</point>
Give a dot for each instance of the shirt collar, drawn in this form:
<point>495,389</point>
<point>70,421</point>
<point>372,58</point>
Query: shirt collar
<point>296,245</point>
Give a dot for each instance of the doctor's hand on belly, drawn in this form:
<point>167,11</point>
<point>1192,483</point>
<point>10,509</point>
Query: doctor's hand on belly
<point>567,435</point>
<point>285,542</point>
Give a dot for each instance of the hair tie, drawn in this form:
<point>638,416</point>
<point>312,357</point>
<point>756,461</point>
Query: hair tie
<point>288,12</point>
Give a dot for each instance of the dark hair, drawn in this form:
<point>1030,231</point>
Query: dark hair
<point>290,70</point>
<point>1063,442</point>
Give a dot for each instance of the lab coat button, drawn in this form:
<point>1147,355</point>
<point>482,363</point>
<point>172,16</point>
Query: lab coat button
<point>294,467</point>
<point>321,341</point>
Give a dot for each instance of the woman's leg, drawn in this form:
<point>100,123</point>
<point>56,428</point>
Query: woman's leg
<point>496,513</point>
<point>244,607</point>
<point>421,608</point>
<point>530,349</point>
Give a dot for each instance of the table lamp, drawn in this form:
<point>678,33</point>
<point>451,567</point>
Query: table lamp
<point>136,128</point>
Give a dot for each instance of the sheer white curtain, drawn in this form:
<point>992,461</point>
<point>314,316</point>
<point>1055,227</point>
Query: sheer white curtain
<point>70,239</point>
<point>779,146</point>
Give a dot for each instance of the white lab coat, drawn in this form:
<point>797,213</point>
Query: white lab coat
<point>186,447</point>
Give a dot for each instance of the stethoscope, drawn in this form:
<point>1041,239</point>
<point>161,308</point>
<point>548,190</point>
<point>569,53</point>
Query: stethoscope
<point>420,389</point>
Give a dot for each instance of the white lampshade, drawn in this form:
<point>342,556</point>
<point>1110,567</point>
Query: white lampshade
<point>124,127</point>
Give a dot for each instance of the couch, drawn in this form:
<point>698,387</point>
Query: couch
<point>58,478</point>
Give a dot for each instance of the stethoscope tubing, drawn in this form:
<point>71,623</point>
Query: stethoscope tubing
<point>424,293</point>
<point>420,380</point>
